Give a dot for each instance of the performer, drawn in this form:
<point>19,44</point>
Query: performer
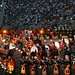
<point>27,43</point>
<point>44,64</point>
<point>54,33</point>
<point>23,57</point>
<point>33,63</point>
<point>51,34</point>
<point>31,43</point>
<point>53,49</point>
<point>74,68</point>
<point>23,70</point>
<point>26,35</point>
<point>66,60</point>
<point>38,35</point>
<point>24,64</point>
<point>56,70</point>
<point>11,66</point>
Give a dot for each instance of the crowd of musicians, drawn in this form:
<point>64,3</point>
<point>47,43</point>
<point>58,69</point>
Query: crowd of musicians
<point>34,54</point>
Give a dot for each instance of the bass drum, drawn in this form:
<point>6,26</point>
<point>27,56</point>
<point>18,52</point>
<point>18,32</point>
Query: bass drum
<point>34,49</point>
<point>39,48</point>
<point>47,47</point>
<point>67,40</point>
<point>57,44</point>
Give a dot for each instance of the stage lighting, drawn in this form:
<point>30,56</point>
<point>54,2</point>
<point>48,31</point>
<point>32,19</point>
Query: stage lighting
<point>41,31</point>
<point>30,31</point>
<point>1,5</point>
<point>4,31</point>
<point>3,40</point>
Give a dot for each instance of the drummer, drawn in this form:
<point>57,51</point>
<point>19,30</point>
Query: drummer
<point>24,64</point>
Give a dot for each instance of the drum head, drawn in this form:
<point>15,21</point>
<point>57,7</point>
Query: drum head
<point>66,40</point>
<point>34,49</point>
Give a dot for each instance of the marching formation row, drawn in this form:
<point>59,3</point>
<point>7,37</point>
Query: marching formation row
<point>34,54</point>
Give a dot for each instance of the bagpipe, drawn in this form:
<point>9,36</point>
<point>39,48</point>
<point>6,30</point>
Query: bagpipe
<point>50,62</point>
<point>59,60</point>
<point>55,62</point>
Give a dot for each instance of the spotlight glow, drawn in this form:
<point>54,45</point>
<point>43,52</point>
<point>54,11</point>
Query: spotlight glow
<point>41,31</point>
<point>30,31</point>
<point>4,31</point>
